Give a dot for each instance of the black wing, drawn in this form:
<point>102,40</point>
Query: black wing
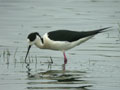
<point>70,36</point>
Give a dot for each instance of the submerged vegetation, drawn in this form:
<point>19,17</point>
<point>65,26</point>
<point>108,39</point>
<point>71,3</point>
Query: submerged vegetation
<point>6,55</point>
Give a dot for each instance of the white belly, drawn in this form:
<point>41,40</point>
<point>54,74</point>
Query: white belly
<point>57,45</point>
<point>62,45</point>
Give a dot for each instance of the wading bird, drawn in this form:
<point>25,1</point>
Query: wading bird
<point>60,40</point>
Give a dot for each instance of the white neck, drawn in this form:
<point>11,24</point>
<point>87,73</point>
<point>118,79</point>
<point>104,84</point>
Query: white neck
<point>39,43</point>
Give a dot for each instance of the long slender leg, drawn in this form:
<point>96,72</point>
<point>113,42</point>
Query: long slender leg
<point>63,67</point>
<point>65,58</point>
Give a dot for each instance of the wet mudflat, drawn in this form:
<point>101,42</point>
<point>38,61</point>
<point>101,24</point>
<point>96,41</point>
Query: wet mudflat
<point>94,65</point>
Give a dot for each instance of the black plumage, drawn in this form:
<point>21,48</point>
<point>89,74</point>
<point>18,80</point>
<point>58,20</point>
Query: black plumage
<point>70,36</point>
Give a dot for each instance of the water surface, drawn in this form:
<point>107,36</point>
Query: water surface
<point>94,65</point>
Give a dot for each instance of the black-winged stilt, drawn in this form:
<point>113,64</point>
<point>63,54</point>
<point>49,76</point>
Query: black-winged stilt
<point>60,40</point>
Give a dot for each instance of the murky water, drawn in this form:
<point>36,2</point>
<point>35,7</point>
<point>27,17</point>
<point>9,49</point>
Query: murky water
<point>94,65</point>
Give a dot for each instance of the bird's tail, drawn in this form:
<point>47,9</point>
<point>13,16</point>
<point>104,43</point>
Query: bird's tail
<point>103,29</point>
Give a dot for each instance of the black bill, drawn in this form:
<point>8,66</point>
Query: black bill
<point>27,52</point>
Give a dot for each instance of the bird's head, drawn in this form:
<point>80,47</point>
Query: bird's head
<point>32,39</point>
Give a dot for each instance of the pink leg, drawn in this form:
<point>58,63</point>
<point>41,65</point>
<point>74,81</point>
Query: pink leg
<point>65,58</point>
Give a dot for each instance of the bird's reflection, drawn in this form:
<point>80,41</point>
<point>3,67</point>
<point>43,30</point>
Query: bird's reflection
<point>53,79</point>
<point>29,74</point>
<point>28,69</point>
<point>64,67</point>
<point>57,78</point>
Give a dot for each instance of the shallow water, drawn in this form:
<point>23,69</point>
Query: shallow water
<point>94,65</point>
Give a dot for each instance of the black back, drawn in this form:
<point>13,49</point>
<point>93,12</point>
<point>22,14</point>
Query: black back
<point>70,36</point>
